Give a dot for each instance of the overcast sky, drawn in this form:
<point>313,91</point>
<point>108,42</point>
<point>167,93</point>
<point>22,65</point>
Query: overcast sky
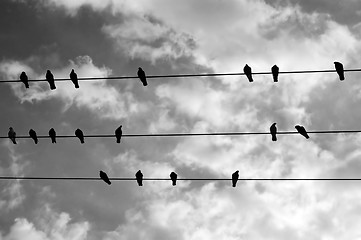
<point>115,37</point>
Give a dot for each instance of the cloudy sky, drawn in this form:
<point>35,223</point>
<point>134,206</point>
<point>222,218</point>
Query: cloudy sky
<point>115,37</point>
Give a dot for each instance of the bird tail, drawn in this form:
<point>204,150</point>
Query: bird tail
<point>14,141</point>
<point>76,85</point>
<point>275,78</point>
<point>118,140</point>
<point>81,141</point>
<point>145,83</point>
<point>53,141</point>
<point>342,76</point>
<point>36,141</point>
<point>274,138</point>
<point>52,86</point>
<point>26,85</point>
<point>174,183</point>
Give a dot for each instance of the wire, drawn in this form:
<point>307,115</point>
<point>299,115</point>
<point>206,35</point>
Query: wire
<point>194,134</point>
<point>179,179</point>
<point>183,75</point>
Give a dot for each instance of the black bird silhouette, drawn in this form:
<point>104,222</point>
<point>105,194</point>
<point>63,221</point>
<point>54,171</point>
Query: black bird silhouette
<point>248,71</point>
<point>275,71</point>
<point>173,177</point>
<point>139,177</point>
<point>80,135</point>
<point>339,70</point>
<point>302,131</point>
<point>273,130</point>
<point>52,135</point>
<point>50,78</point>
<point>74,78</point>
<point>142,77</point>
<point>12,135</point>
<point>24,79</point>
<point>104,177</point>
<point>32,134</point>
<point>118,133</point>
<point>235,177</point>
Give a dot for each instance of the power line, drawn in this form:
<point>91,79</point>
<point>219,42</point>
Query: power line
<point>179,179</point>
<point>183,75</point>
<point>194,134</point>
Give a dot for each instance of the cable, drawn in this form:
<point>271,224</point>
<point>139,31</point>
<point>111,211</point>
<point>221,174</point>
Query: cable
<point>183,75</point>
<point>179,179</point>
<point>194,134</point>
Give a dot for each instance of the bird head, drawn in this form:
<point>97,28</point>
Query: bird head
<point>297,126</point>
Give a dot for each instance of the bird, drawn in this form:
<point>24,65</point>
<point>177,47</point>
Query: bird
<point>275,71</point>
<point>248,71</point>
<point>139,177</point>
<point>118,133</point>
<point>24,79</point>
<point>74,78</point>
<point>104,177</point>
<point>302,131</point>
<point>80,135</point>
<point>32,134</point>
<point>173,177</point>
<point>273,130</point>
<point>339,70</point>
<point>50,78</point>
<point>235,177</point>
<point>52,135</point>
<point>142,77</point>
<point>12,135</point>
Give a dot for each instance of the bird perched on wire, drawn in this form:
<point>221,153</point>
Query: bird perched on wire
<point>12,135</point>
<point>80,135</point>
<point>33,135</point>
<point>50,78</point>
<point>235,177</point>
<point>24,79</point>
<point>302,131</point>
<point>273,130</point>
<point>275,71</point>
<point>104,177</point>
<point>142,76</point>
<point>74,78</point>
<point>248,71</point>
<point>339,70</point>
<point>52,135</point>
<point>173,177</point>
<point>118,133</point>
<point>139,177</point>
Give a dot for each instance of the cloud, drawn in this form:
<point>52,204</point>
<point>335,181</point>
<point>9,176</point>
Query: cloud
<point>12,194</point>
<point>98,96</point>
<point>51,225</point>
<point>149,40</point>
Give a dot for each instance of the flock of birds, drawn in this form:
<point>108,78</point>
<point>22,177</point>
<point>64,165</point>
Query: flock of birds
<point>139,175</point>
<point>74,78</point>
<point>118,132</point>
<point>143,78</point>
<point>52,134</point>
<point>139,178</point>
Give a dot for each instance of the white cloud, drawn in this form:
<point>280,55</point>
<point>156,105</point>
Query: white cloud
<point>52,226</point>
<point>104,100</point>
